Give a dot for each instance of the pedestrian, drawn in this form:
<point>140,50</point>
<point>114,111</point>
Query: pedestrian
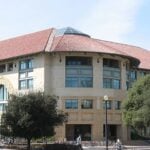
<point>78,140</point>
<point>118,145</point>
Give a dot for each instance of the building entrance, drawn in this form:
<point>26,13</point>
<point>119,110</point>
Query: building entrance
<point>112,131</point>
<point>73,131</point>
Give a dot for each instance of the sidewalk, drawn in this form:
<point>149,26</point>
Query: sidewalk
<point>125,147</point>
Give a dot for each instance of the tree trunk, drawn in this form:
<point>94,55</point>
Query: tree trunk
<point>28,143</point>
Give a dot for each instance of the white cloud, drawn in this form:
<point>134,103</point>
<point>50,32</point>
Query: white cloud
<point>111,19</point>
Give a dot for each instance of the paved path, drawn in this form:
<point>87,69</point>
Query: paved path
<point>112,148</point>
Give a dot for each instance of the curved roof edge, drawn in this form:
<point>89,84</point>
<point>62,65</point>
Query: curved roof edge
<point>71,41</point>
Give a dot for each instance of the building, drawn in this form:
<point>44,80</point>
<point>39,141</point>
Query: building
<point>78,69</point>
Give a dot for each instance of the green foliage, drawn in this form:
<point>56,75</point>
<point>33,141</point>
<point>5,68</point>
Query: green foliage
<point>32,115</point>
<point>136,108</point>
<point>136,136</point>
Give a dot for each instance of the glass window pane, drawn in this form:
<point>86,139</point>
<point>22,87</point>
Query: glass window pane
<point>10,67</point>
<point>74,104</point>
<point>117,105</point>
<point>30,83</point>
<point>76,60</point>
<point>116,74</point>
<point>133,75</point>
<point>1,92</point>
<point>30,64</point>
<point>5,94</point>
<point>86,82</point>
<point>30,74</point>
<point>107,103</point>
<point>111,63</point>
<point>107,83</point>
<point>72,82</point>
<point>86,71</point>
<point>68,104</point>
<point>26,64</point>
<point>107,73</point>
<point>2,68</point>
<point>71,104</point>
<point>116,84</point>
<point>22,75</point>
<point>22,84</point>
<point>22,65</point>
<point>79,71</point>
<point>1,107</point>
<point>72,71</point>
<point>87,104</point>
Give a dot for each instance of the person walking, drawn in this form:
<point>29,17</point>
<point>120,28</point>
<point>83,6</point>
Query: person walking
<point>118,145</point>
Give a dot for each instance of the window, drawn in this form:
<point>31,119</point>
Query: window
<point>117,105</point>
<point>30,83</point>
<point>3,93</point>
<point>79,72</point>
<point>78,61</point>
<point>2,68</point>
<point>26,74</point>
<point>22,75</point>
<point>26,64</point>
<point>112,63</point>
<point>107,103</point>
<point>10,67</point>
<point>87,104</point>
<point>22,84</point>
<point>107,83</point>
<point>111,83</point>
<point>26,84</point>
<point>143,73</point>
<point>116,84</point>
<point>30,74</point>
<point>131,77</point>
<point>22,65</point>
<point>2,107</point>
<point>111,74</point>
<point>71,104</point>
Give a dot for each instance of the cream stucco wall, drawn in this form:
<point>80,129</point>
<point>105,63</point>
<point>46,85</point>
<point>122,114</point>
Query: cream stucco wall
<point>55,84</point>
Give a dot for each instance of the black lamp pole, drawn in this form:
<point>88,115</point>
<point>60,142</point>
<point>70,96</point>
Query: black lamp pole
<point>106,129</point>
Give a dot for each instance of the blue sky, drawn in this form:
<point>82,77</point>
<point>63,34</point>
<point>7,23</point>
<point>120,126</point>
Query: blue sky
<point>126,21</point>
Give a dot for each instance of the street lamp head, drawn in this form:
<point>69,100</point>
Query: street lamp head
<point>105,97</point>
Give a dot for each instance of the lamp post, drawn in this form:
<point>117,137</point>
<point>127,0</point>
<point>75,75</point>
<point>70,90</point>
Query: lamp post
<point>106,130</point>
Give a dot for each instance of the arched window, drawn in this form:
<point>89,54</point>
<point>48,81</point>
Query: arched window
<point>3,93</point>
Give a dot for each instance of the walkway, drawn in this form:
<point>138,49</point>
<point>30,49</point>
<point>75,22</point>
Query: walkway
<point>112,148</point>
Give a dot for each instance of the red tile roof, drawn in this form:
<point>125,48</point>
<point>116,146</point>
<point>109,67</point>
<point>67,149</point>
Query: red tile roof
<point>46,41</point>
<point>134,51</point>
<point>24,45</point>
<point>77,43</point>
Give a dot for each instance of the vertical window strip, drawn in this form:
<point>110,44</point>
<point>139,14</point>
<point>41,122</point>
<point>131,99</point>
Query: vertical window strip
<point>79,72</point>
<point>111,74</point>
<point>26,74</point>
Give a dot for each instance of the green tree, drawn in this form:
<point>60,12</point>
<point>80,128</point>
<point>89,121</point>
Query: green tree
<point>32,115</point>
<point>136,108</point>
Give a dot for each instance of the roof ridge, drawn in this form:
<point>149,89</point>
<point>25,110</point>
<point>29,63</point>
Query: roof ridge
<point>50,39</point>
